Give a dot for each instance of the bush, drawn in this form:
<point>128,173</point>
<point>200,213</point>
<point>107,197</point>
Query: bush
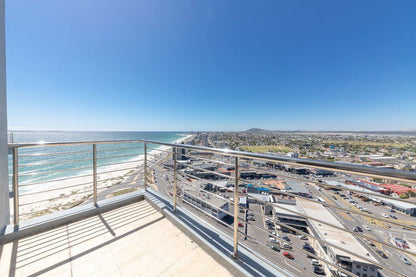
<point>404,196</point>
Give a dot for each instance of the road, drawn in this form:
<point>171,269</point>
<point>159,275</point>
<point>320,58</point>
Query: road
<point>260,239</point>
<point>381,234</point>
<point>162,178</point>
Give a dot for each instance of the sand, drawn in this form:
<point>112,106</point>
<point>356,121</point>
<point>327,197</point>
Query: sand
<point>61,195</point>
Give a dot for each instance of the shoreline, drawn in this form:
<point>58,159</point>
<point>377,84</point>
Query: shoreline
<point>61,195</point>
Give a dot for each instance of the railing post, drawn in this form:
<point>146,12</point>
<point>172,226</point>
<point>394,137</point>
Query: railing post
<point>94,172</point>
<point>16,186</point>
<point>145,167</point>
<point>236,202</point>
<point>175,176</point>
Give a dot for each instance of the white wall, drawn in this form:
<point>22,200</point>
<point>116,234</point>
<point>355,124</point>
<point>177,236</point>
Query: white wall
<point>4,187</point>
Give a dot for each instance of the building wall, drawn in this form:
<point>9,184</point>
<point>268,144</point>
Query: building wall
<point>209,208</point>
<point>4,187</point>
<point>364,269</point>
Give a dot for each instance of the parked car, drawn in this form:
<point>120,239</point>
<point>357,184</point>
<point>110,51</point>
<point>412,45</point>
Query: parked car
<point>401,243</point>
<point>366,227</point>
<point>369,242</point>
<point>286,245</point>
<point>274,248</point>
<point>240,224</point>
<point>392,211</point>
<point>320,199</point>
<point>286,238</point>
<point>303,237</point>
<point>288,255</point>
<point>357,229</point>
<point>273,240</point>
<point>315,262</point>
<point>382,254</point>
<point>384,215</point>
<point>393,216</point>
<point>318,270</point>
<point>406,261</point>
<point>308,248</point>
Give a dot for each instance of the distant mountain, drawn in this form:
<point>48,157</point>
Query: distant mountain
<point>256,130</point>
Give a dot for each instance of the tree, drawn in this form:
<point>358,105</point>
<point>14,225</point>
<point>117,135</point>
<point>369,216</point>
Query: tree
<point>404,196</point>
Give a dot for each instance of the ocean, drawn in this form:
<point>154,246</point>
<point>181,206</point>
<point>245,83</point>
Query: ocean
<point>40,165</point>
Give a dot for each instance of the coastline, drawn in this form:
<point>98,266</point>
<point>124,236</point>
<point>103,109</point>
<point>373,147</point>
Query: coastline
<point>61,195</point>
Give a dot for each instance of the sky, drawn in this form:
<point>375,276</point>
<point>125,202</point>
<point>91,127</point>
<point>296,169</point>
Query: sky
<point>211,65</point>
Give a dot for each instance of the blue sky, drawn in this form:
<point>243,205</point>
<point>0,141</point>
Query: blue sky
<point>211,65</point>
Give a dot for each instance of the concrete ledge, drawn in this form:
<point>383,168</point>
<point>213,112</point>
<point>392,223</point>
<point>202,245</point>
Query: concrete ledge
<point>57,219</point>
<point>213,241</point>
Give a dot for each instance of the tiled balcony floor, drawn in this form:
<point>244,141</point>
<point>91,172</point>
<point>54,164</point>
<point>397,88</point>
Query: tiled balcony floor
<point>135,240</point>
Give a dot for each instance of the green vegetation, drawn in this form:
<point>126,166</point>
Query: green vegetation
<point>407,195</point>
<point>266,148</point>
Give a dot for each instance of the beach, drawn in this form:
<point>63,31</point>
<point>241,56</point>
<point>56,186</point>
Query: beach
<point>61,195</point>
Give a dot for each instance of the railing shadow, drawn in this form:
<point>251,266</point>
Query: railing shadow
<point>253,267</point>
<point>42,248</point>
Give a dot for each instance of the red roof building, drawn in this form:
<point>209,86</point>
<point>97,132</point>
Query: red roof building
<point>398,189</point>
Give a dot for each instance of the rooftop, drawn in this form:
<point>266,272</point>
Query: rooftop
<point>334,235</point>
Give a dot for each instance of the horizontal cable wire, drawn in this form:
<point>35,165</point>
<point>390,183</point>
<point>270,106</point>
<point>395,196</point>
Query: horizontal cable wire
<point>228,226</point>
<point>119,149</point>
<point>52,154</point>
<point>334,226</point>
<point>119,156</point>
<point>283,225</point>
<point>55,171</point>
<point>335,207</point>
<point>51,181</point>
<point>55,198</point>
<point>49,163</point>
<point>133,161</point>
<point>328,185</point>
<point>122,169</point>
<point>43,191</point>
<point>313,237</point>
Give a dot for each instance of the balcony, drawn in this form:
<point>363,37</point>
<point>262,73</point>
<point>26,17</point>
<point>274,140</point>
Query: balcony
<point>178,209</point>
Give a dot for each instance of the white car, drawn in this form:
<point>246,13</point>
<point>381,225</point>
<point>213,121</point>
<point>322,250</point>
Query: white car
<point>384,215</point>
<point>315,262</point>
<point>366,227</point>
<point>273,240</point>
<point>406,261</point>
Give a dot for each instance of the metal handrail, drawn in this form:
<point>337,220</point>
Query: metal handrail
<point>235,156</point>
<point>393,174</point>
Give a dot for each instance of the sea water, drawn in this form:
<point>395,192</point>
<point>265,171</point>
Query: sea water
<point>40,165</point>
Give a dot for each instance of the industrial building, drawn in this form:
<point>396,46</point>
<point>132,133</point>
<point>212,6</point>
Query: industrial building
<point>352,263</point>
<point>211,205</point>
<point>283,214</point>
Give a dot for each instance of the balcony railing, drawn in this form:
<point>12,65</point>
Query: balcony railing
<point>69,174</point>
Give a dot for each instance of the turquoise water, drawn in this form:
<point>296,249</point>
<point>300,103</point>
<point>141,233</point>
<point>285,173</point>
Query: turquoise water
<point>36,167</point>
